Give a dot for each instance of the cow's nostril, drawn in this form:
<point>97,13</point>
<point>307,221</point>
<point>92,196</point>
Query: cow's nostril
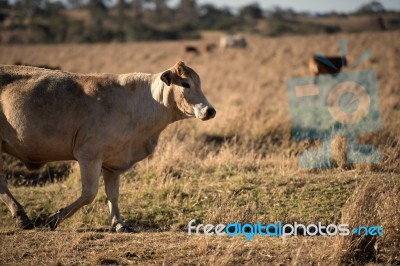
<point>211,112</point>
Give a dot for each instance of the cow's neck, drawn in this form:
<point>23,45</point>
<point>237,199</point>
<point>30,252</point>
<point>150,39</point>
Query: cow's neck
<point>156,113</point>
<point>163,96</point>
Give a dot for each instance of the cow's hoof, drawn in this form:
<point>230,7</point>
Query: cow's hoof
<point>123,228</point>
<point>22,220</point>
<point>53,221</point>
<point>25,224</point>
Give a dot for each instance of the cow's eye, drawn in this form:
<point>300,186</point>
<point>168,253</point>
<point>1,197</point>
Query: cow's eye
<point>185,84</point>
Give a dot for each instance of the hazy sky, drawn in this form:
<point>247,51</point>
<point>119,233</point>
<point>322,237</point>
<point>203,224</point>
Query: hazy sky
<point>306,5</point>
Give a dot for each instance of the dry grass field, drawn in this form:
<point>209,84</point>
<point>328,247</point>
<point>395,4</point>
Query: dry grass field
<point>241,166</point>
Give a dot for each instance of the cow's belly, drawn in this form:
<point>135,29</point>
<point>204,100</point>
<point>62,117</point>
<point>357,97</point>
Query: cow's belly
<point>38,151</point>
<point>123,159</point>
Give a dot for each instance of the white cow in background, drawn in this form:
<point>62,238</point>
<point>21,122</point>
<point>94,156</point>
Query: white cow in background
<point>233,41</point>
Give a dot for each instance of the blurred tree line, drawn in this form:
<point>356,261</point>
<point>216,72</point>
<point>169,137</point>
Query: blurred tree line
<point>75,21</point>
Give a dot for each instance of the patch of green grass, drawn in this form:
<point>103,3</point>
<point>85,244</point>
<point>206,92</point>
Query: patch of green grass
<point>153,202</point>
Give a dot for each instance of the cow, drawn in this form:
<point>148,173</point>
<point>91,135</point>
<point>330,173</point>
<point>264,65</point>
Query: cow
<point>319,64</point>
<point>106,122</point>
<point>233,41</point>
<point>192,49</point>
<point>210,47</point>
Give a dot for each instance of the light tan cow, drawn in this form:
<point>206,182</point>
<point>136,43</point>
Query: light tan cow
<point>104,121</point>
<point>233,41</point>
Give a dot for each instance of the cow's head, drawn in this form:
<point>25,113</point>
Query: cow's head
<point>185,92</point>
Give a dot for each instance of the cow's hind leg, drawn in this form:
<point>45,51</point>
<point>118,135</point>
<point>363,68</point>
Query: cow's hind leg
<point>90,175</point>
<point>111,182</point>
<point>17,211</point>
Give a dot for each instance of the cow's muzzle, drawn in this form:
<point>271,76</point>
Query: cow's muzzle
<point>209,113</point>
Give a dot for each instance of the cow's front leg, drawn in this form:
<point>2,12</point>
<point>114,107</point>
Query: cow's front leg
<point>111,182</point>
<point>90,175</point>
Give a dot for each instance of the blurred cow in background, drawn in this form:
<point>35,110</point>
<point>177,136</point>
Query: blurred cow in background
<point>233,41</point>
<point>191,49</point>
<point>319,64</point>
<point>210,47</point>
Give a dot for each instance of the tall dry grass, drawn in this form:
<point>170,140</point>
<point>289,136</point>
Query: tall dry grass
<point>374,203</point>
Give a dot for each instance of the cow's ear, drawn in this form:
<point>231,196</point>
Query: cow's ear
<point>180,68</point>
<point>166,77</point>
